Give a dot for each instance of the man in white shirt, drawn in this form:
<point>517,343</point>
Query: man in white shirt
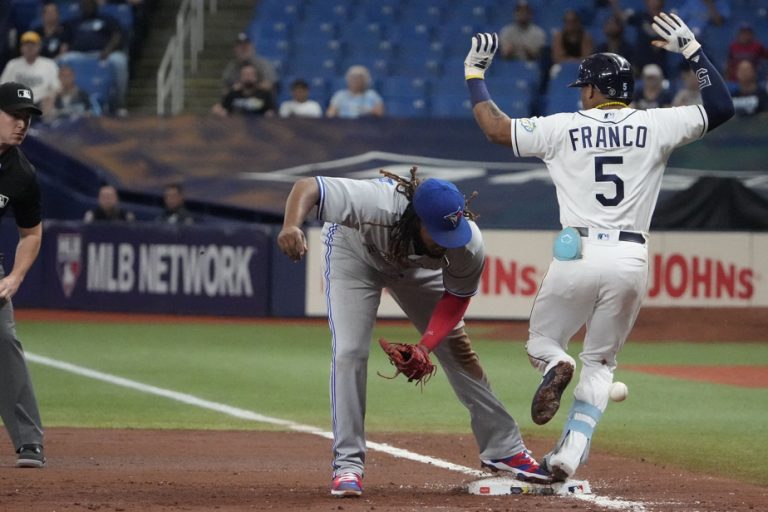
<point>300,105</point>
<point>40,74</point>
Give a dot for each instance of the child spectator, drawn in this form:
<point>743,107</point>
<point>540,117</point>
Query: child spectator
<point>300,105</point>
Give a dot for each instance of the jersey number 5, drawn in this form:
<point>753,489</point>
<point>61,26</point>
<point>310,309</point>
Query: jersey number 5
<point>601,161</point>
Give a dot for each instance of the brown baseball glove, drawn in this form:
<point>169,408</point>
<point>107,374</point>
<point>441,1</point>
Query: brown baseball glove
<point>410,360</point>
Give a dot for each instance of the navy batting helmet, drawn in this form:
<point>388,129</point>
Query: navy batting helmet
<point>610,73</point>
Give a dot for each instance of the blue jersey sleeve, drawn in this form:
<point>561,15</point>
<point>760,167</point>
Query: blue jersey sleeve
<point>715,97</point>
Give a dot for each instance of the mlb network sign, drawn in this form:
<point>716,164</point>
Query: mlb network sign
<point>685,269</point>
<point>151,267</point>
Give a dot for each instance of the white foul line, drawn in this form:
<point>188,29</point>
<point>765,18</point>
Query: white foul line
<point>245,414</point>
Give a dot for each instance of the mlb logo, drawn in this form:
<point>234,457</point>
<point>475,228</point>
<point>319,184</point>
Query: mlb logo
<point>24,93</point>
<point>603,236</point>
<point>3,201</point>
<point>68,261</point>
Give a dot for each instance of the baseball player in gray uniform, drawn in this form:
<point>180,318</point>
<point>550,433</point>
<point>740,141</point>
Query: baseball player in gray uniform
<point>415,240</point>
<point>606,162</point>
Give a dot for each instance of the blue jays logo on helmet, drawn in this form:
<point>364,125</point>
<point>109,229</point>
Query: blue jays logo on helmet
<point>454,217</point>
<point>610,73</point>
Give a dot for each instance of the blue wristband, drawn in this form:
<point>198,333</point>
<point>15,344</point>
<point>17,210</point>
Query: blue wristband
<point>478,92</point>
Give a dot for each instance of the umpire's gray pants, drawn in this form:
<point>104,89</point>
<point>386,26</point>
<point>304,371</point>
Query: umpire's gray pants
<point>18,405</point>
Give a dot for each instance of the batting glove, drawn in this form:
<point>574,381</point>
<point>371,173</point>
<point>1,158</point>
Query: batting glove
<point>480,55</point>
<point>677,36</point>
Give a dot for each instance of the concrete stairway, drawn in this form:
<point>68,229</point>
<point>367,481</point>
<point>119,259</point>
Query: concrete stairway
<point>203,88</point>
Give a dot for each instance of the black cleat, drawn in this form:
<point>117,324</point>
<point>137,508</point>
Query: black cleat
<point>546,400</point>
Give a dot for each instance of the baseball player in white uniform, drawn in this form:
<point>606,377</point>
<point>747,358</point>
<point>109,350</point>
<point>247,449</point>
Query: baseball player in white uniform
<point>606,162</point>
<point>415,240</point>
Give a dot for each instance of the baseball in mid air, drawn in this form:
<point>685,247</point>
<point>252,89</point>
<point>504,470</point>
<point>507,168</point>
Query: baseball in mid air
<point>618,391</point>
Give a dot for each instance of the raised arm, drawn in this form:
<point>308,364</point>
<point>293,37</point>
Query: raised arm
<point>678,38</point>
<point>303,197</point>
<point>496,125</point>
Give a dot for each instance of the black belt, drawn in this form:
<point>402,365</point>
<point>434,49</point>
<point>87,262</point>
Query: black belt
<point>624,236</point>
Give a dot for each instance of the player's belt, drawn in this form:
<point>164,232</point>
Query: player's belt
<point>624,236</point>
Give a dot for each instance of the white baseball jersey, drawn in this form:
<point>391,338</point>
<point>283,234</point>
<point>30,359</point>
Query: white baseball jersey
<point>607,165</point>
<point>371,208</point>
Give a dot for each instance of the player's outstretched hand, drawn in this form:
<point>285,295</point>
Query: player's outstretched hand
<point>676,35</point>
<point>484,46</point>
<point>292,242</point>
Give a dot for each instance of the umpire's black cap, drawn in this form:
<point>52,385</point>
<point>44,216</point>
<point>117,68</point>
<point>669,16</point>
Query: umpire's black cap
<point>610,73</point>
<point>15,96</point>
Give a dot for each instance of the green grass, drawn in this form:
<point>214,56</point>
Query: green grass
<point>282,371</point>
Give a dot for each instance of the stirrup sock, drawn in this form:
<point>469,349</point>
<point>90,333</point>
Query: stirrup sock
<point>583,418</point>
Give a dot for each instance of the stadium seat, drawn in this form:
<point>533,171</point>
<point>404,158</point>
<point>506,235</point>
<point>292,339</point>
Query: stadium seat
<point>559,97</point>
<point>122,13</point>
<point>451,105</point>
<point>404,106</point>
<point>24,12</point>
<point>95,77</point>
<point>409,86</point>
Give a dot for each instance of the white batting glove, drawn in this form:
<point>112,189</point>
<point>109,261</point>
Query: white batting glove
<point>480,55</point>
<point>677,36</point>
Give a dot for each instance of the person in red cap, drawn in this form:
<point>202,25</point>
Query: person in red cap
<point>19,190</point>
<point>418,240</point>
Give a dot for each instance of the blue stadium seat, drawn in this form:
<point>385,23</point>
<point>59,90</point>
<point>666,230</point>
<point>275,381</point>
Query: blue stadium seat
<point>410,33</point>
<point>404,106</point>
<point>515,104</point>
<point>122,13</point>
<point>96,77</point>
<point>360,31</point>
<point>312,66</point>
<point>24,12</point>
<point>287,11</point>
<point>559,97</point>
<point>451,105</point>
<point>408,86</point>
<point>528,73</point>
<point>314,12</point>
<point>469,13</point>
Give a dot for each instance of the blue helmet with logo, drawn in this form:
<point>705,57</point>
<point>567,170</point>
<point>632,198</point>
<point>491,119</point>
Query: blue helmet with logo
<point>610,73</point>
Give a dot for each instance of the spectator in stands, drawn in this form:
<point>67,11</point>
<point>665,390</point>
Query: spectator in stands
<point>698,14</point>
<point>652,94</point>
<point>174,210</point>
<point>300,105</point>
<point>745,47</point>
<point>613,28</point>
<point>108,208</point>
<point>246,97</point>
<point>245,54</point>
<point>523,39</point>
<point>92,34</point>
<point>571,42</point>
<point>358,99</point>
<point>749,98</point>
<point>71,102</point>
<point>51,32</point>
<point>689,94</point>
<point>40,74</point>
<point>645,52</point>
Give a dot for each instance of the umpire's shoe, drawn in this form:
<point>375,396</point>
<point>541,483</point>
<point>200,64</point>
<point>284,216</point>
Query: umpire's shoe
<point>546,400</point>
<point>30,456</point>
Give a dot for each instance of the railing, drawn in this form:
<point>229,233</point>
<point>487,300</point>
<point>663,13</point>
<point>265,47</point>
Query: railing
<point>170,74</point>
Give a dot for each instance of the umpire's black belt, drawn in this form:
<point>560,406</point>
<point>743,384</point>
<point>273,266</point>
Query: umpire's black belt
<point>624,236</point>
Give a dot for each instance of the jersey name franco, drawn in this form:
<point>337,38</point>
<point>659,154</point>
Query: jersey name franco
<point>607,165</point>
<point>365,211</point>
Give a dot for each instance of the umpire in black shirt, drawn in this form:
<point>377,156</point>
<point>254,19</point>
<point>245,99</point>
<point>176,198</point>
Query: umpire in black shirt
<point>18,190</point>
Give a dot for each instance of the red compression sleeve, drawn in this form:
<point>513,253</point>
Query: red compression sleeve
<point>448,311</point>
